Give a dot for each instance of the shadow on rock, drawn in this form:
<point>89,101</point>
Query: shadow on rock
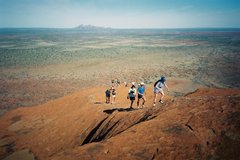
<point>110,111</point>
<point>99,102</point>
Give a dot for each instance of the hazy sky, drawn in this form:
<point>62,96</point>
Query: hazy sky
<point>120,13</point>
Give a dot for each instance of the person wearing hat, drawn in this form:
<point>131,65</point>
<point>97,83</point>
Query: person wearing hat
<point>158,88</point>
<point>141,94</point>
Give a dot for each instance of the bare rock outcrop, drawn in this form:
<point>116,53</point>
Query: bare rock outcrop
<point>200,125</point>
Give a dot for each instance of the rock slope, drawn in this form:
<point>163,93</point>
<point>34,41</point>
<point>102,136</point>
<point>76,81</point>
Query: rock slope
<point>204,124</point>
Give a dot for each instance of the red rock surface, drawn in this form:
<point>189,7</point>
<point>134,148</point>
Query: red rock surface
<point>201,125</point>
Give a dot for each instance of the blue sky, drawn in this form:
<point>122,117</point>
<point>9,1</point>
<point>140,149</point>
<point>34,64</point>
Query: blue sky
<point>120,13</point>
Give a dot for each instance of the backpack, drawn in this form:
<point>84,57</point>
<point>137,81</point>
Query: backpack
<point>156,82</point>
<point>162,79</point>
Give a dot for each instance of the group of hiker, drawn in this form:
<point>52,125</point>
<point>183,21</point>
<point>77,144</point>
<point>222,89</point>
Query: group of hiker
<point>108,95</point>
<point>139,92</point>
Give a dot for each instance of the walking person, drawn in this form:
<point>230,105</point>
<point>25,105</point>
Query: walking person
<point>132,94</point>
<point>113,84</point>
<point>158,88</point>
<point>118,82</point>
<point>108,94</point>
<point>113,95</point>
<point>125,84</point>
<point>141,94</point>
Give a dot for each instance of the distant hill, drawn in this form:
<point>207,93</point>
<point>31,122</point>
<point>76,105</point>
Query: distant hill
<point>91,27</point>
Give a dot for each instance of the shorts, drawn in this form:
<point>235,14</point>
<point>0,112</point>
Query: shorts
<point>156,90</point>
<point>132,98</point>
<point>140,96</point>
<point>108,95</point>
<point>113,96</point>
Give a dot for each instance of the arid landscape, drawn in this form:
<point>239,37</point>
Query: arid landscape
<point>52,92</point>
<point>37,65</point>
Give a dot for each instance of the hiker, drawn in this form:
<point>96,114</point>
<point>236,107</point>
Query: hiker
<point>131,94</point>
<point>133,83</point>
<point>112,87</point>
<point>118,82</point>
<point>108,94</point>
<point>158,88</point>
<point>113,83</point>
<point>113,95</point>
<point>141,94</point>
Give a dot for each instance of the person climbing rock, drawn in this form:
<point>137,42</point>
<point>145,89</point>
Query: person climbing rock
<point>108,94</point>
<point>158,88</point>
<point>132,94</point>
<point>114,95</point>
<point>141,94</point>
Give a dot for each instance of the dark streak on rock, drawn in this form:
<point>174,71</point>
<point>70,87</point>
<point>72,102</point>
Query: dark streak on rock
<point>102,129</point>
<point>189,127</point>
<point>92,133</point>
<point>101,137</point>
<point>16,118</point>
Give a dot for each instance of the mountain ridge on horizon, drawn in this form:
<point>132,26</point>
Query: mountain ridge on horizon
<point>95,27</point>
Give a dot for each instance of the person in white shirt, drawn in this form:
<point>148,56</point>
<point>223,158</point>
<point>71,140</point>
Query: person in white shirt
<point>132,94</point>
<point>158,88</point>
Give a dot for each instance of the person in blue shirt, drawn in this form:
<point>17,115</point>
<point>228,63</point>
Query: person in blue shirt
<point>108,94</point>
<point>141,94</point>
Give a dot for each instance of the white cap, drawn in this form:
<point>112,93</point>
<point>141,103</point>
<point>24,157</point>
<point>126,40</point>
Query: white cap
<point>142,84</point>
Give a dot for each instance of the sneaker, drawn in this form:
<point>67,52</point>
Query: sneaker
<point>154,104</point>
<point>161,101</point>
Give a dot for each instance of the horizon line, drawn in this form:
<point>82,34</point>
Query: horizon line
<point>100,27</point>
